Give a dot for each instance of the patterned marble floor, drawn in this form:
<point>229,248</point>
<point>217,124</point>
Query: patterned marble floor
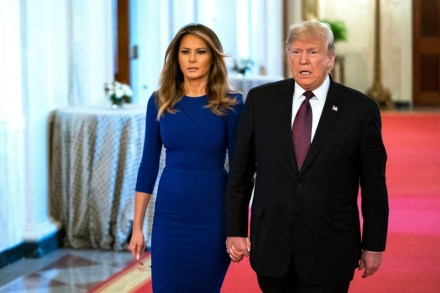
<point>64,270</point>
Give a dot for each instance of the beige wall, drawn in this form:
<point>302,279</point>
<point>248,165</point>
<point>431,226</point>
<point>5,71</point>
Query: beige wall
<point>396,45</point>
<point>396,42</point>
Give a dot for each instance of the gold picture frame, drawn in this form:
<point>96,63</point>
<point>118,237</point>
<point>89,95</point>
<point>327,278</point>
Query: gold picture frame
<point>310,9</point>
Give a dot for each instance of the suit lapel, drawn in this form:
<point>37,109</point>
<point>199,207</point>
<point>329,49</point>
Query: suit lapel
<point>331,112</point>
<point>283,112</point>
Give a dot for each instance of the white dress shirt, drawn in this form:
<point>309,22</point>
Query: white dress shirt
<point>317,102</point>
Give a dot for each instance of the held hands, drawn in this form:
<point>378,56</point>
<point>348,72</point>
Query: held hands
<point>238,247</point>
<point>370,262</point>
<point>137,246</point>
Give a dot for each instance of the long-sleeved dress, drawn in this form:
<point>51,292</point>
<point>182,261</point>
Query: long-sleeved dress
<point>188,251</point>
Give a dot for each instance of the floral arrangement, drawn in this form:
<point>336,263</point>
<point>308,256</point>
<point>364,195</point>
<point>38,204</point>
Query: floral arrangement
<point>338,28</point>
<point>118,93</point>
<point>242,65</point>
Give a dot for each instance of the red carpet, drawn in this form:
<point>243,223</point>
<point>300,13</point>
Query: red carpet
<point>411,263</point>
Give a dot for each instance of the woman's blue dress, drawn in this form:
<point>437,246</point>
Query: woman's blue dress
<point>188,252</point>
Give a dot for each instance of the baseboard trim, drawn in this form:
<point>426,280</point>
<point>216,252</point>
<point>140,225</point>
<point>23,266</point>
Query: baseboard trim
<point>11,255</point>
<point>31,249</point>
<point>402,105</point>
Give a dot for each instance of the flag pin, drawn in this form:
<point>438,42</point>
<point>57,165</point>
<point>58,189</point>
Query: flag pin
<point>335,108</point>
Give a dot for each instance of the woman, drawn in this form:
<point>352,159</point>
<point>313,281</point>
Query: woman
<point>193,115</point>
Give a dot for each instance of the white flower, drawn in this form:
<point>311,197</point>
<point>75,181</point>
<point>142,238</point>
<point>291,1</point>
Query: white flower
<point>119,93</point>
<point>242,65</point>
<point>116,90</point>
<point>127,90</point>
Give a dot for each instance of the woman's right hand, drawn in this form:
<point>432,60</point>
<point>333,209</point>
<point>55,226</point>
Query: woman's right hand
<point>137,246</point>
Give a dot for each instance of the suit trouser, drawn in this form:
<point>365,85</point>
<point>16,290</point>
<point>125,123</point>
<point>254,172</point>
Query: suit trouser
<point>291,283</point>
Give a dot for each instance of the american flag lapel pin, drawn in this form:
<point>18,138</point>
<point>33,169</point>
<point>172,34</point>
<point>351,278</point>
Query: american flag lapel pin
<point>335,108</point>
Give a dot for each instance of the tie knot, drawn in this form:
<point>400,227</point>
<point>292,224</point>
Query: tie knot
<point>308,95</point>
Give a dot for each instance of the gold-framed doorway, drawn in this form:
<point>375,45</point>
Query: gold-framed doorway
<point>309,9</point>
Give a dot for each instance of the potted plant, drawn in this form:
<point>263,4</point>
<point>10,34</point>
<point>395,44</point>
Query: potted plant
<point>241,66</point>
<point>338,28</point>
<point>118,93</point>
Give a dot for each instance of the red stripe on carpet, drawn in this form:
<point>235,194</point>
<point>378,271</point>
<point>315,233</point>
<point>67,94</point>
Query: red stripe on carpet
<point>133,277</point>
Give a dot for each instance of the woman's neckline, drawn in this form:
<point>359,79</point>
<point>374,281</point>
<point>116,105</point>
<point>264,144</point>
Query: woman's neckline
<point>195,97</point>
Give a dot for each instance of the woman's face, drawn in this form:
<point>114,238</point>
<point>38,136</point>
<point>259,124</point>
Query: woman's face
<point>195,58</point>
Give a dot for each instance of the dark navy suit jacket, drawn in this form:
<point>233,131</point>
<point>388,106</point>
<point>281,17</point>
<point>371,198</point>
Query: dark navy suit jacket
<point>313,213</point>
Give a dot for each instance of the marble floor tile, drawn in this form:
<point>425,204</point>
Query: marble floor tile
<point>64,270</point>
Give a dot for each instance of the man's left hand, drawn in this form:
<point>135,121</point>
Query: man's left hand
<point>370,262</point>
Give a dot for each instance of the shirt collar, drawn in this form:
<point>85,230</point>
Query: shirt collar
<point>320,93</point>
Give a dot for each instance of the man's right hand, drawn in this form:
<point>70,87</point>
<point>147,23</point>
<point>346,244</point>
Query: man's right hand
<point>238,247</point>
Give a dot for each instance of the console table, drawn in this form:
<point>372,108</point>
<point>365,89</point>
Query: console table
<point>95,155</point>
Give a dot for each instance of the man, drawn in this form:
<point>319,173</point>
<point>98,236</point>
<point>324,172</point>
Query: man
<point>305,231</point>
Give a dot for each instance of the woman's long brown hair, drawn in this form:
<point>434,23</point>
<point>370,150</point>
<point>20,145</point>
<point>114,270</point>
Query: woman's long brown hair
<point>171,79</point>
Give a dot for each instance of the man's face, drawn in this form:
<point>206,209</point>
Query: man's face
<point>309,61</point>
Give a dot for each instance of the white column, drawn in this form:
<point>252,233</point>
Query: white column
<point>12,212</point>
<point>40,81</point>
